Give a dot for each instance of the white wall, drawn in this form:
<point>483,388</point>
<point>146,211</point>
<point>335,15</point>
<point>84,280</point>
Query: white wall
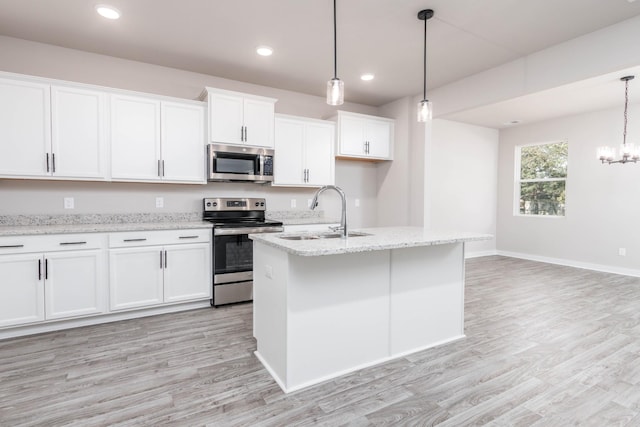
<point>45,197</point>
<point>463,176</point>
<point>603,201</point>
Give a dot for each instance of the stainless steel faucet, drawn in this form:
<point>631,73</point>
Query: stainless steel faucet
<point>343,220</point>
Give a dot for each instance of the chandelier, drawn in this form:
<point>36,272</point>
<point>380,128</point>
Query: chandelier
<point>628,152</point>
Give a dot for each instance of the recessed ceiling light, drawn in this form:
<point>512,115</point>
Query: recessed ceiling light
<point>264,51</point>
<point>366,77</point>
<point>512,122</point>
<point>107,11</point>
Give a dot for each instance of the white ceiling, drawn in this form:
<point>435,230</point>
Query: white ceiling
<point>383,37</point>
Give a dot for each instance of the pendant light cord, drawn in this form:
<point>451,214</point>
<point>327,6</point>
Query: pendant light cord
<point>626,103</point>
<point>335,43</point>
<point>424,87</point>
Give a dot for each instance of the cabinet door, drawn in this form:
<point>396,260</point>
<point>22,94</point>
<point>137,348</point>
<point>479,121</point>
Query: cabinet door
<point>135,277</point>
<point>187,272</point>
<point>319,158</point>
<point>77,133</point>
<point>288,167</point>
<point>258,122</point>
<point>74,283</point>
<point>135,138</point>
<point>225,118</point>
<point>25,128</point>
<point>379,134</point>
<point>352,137</point>
<point>21,289</point>
<point>183,143</point>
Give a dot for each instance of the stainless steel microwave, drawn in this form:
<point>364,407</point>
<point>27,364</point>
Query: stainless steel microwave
<point>236,163</point>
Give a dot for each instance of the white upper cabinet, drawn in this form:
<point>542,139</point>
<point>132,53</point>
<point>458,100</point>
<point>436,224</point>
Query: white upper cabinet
<point>156,141</point>
<point>183,142</point>
<point>78,137</point>
<point>239,118</point>
<point>135,138</point>
<point>304,152</point>
<point>51,131</point>
<point>362,136</point>
<point>25,128</point>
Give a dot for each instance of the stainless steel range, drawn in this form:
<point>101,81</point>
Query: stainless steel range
<point>233,220</point>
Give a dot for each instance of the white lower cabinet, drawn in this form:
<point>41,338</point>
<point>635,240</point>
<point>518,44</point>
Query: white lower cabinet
<point>62,283</point>
<point>136,277</point>
<point>156,267</point>
<point>21,289</point>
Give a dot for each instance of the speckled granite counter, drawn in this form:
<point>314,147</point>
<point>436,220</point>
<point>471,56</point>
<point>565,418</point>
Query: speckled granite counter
<point>24,225</point>
<point>379,239</point>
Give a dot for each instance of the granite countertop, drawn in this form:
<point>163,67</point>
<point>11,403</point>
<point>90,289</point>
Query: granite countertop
<point>380,239</point>
<point>301,217</point>
<point>24,225</point>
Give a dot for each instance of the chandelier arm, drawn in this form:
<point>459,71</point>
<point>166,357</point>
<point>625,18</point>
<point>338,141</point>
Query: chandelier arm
<point>335,43</point>
<point>626,105</point>
<point>424,86</point>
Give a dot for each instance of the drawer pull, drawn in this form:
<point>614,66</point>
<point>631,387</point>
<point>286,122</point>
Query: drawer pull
<point>188,237</point>
<point>134,240</point>
<point>72,243</point>
<point>11,246</point>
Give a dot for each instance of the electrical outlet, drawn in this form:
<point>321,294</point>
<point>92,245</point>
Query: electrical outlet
<point>159,202</point>
<point>357,203</point>
<point>69,203</point>
<point>622,251</point>
<point>268,271</point>
<point>309,203</point>
<point>293,203</point>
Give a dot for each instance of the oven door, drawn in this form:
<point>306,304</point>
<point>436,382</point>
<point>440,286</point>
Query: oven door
<point>233,263</point>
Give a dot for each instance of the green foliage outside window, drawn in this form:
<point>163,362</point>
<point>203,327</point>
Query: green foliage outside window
<point>542,183</point>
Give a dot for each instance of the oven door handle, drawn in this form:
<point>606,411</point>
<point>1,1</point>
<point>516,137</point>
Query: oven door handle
<point>245,230</point>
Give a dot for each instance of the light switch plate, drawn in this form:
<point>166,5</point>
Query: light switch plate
<point>159,202</point>
<point>357,203</point>
<point>69,203</point>
<point>293,203</point>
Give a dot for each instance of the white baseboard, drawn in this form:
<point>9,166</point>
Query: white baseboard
<point>572,263</point>
<point>478,254</point>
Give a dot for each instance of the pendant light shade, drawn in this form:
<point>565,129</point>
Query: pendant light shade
<point>335,86</point>
<point>628,152</point>
<point>425,110</point>
<point>335,92</point>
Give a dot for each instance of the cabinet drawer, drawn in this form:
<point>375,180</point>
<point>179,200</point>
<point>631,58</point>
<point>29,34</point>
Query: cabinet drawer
<point>51,243</point>
<point>159,237</point>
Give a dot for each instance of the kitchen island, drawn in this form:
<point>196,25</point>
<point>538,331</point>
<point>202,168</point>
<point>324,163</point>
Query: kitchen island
<point>324,307</point>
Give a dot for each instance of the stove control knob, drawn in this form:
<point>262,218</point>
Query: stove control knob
<point>261,203</point>
<point>208,204</point>
<point>257,203</point>
<point>215,204</point>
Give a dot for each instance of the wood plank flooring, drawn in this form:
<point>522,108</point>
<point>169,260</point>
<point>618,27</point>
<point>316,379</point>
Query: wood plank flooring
<point>546,346</point>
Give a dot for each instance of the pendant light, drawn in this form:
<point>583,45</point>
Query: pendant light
<point>628,152</point>
<point>335,86</point>
<point>424,106</point>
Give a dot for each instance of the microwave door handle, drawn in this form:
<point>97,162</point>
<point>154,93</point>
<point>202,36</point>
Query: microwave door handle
<point>261,166</point>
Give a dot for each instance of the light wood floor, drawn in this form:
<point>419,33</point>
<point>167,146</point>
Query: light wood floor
<point>546,346</point>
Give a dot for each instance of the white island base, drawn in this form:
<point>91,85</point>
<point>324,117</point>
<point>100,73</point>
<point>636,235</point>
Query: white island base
<point>319,317</point>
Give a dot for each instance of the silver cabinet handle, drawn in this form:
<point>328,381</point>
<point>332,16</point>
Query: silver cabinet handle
<point>11,246</point>
<point>47,162</point>
<point>242,133</point>
<point>188,237</point>
<point>160,260</point>
<point>246,136</point>
<point>163,168</point>
<point>308,175</point>
<point>46,269</point>
<point>72,243</point>
<point>159,168</point>
<point>39,270</point>
<point>53,162</point>
<point>134,240</point>
<point>166,264</point>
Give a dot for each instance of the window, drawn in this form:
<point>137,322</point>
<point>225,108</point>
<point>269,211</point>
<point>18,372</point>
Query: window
<point>541,176</point>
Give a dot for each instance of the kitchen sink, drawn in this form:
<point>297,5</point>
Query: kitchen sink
<point>320,236</point>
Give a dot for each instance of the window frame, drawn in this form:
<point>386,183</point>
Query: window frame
<point>518,181</point>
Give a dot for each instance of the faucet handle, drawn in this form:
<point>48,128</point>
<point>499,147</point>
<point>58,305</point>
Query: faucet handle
<point>336,228</point>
